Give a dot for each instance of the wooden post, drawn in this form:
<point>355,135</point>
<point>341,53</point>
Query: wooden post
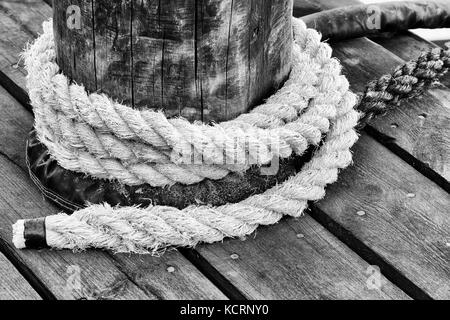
<point>207,60</point>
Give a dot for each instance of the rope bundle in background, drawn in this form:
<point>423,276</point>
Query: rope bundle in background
<point>405,82</point>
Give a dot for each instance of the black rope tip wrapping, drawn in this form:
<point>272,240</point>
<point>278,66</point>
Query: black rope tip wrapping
<point>34,234</point>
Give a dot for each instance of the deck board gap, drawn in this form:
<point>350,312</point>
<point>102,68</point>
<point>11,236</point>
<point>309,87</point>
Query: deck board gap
<point>367,254</point>
<point>15,91</point>
<point>212,274</point>
<point>194,257</point>
<point>26,272</point>
<point>418,165</point>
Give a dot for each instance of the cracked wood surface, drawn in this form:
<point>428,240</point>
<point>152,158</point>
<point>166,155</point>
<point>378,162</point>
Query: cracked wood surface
<point>205,60</point>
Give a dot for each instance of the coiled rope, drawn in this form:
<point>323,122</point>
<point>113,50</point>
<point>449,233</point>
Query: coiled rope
<point>78,128</point>
<point>405,82</point>
<point>100,137</point>
<point>97,136</point>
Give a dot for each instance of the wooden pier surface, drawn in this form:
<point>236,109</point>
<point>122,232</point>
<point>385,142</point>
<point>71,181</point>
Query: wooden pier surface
<point>389,212</point>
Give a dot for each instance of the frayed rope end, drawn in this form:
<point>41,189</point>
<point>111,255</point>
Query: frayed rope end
<point>29,234</point>
<point>18,238</point>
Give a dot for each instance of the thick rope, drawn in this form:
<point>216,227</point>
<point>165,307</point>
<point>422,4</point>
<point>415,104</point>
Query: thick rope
<point>316,90</point>
<point>325,109</point>
<point>404,82</point>
<point>100,137</point>
<point>144,230</point>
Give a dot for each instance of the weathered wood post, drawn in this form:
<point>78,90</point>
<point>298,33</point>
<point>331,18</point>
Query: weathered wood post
<point>202,59</point>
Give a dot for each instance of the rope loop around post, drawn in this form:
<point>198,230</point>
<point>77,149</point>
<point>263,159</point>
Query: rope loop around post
<point>93,134</point>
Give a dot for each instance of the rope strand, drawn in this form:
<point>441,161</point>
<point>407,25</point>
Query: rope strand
<point>405,82</point>
<point>92,134</point>
<point>100,137</point>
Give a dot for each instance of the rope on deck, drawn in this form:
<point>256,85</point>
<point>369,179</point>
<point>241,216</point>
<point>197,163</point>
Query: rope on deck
<point>97,136</point>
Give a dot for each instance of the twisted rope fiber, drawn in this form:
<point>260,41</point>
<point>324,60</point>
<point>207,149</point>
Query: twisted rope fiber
<point>104,139</point>
<point>149,230</point>
<point>133,229</point>
<point>405,82</point>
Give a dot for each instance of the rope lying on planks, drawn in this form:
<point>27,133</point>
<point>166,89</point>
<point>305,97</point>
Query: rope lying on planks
<point>322,104</point>
<point>92,134</point>
<point>405,82</point>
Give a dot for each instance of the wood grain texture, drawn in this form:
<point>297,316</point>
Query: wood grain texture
<point>198,59</point>
<point>407,46</point>
<point>15,10</point>
<point>20,19</point>
<point>425,239</point>
<point>406,216</point>
<point>233,188</point>
<point>277,263</point>
<point>103,276</point>
<point>332,268</point>
<point>296,259</point>
<point>12,285</point>
<point>421,127</point>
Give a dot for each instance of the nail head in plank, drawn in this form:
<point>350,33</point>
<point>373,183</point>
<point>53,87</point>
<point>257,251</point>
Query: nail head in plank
<point>276,263</point>
<point>409,232</point>
<point>425,139</point>
<point>15,123</point>
<point>103,276</point>
<point>423,123</point>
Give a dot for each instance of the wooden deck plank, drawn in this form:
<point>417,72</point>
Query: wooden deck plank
<point>103,274</point>
<point>421,127</point>
<point>333,268</point>
<point>411,234</point>
<point>430,229</point>
<point>19,33</point>
<point>278,251</point>
<point>296,259</point>
<point>186,282</point>
<point>12,285</point>
<point>403,216</point>
<point>407,46</point>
